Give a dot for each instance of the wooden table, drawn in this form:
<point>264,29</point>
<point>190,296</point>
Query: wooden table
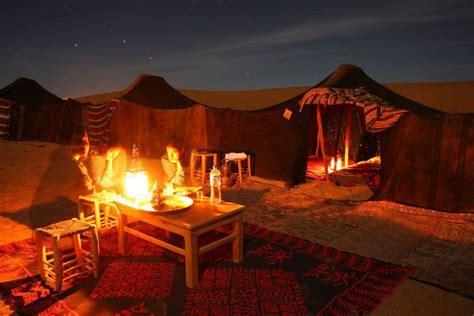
<point>200,218</point>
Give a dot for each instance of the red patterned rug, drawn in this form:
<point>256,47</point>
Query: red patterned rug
<point>280,275</point>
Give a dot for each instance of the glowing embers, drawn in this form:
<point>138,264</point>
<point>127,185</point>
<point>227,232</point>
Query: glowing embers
<point>136,185</point>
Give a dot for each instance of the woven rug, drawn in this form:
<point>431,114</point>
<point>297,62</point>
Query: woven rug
<point>439,246</point>
<point>280,275</point>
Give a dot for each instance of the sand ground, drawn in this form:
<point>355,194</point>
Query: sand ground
<point>39,185</point>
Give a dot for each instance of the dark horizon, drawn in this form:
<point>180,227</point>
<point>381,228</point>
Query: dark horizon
<point>75,49</point>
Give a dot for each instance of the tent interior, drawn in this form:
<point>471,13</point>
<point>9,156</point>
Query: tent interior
<point>346,138</point>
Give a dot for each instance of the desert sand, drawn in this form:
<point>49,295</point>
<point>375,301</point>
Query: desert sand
<point>450,97</point>
<point>39,186</point>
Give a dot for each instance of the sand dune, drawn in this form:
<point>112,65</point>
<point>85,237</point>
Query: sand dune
<point>456,96</point>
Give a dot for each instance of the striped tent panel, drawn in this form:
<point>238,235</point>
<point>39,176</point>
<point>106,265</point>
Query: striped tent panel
<point>379,114</point>
<point>99,121</point>
<point>5,114</point>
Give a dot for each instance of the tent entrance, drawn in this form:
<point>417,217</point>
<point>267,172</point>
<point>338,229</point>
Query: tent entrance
<point>339,149</point>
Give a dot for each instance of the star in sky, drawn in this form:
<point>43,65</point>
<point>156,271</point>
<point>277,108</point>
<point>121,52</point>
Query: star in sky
<point>76,45</point>
<point>124,41</point>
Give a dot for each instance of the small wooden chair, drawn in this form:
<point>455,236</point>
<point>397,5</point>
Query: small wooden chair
<point>197,174</point>
<point>56,267</point>
<point>238,161</point>
<point>100,205</point>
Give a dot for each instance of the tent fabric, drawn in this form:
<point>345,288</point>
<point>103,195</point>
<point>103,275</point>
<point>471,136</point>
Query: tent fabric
<point>378,113</point>
<point>40,114</point>
<point>5,113</point>
<point>154,91</point>
<point>427,162</point>
<point>278,145</point>
<point>425,152</point>
<point>425,155</point>
<point>98,117</point>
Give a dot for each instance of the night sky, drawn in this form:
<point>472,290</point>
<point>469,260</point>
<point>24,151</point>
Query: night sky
<point>76,48</point>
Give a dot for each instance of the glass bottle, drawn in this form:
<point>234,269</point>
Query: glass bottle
<point>215,182</point>
<point>134,159</point>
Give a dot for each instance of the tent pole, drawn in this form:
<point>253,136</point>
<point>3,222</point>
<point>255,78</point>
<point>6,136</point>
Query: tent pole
<point>348,137</point>
<point>339,128</point>
<point>318,144</point>
<point>322,141</point>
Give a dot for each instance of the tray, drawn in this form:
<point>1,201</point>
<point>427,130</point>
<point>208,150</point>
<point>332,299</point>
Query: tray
<point>173,204</point>
<point>186,191</point>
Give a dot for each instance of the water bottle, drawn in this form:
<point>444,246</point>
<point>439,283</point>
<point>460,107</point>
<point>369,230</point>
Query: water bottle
<point>215,179</point>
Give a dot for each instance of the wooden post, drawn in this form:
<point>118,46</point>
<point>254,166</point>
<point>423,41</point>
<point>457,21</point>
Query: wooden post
<point>40,254</point>
<point>95,251</point>
<point>338,134</point>
<point>322,141</point>
<point>249,166</point>
<point>191,166</point>
<point>191,258</point>
<point>348,137</point>
<point>76,239</point>
<point>122,235</point>
<point>203,168</point>
<point>97,214</point>
<point>238,243</point>
<point>58,264</point>
<point>239,167</point>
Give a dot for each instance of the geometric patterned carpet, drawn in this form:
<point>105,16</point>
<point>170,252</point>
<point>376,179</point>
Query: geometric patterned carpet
<point>439,246</point>
<point>280,275</point>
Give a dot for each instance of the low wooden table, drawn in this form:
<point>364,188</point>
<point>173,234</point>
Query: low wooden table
<point>200,218</point>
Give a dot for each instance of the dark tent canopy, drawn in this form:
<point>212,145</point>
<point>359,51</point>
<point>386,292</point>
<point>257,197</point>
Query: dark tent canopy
<point>425,154</point>
<point>152,114</point>
<point>154,91</point>
<point>37,114</point>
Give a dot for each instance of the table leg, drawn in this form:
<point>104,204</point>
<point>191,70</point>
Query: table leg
<point>203,169</point>
<point>97,215</point>
<point>122,235</point>
<point>249,166</point>
<point>191,256</point>
<point>40,254</point>
<point>239,166</point>
<point>58,264</point>
<point>238,243</point>
<point>95,251</point>
<point>106,215</point>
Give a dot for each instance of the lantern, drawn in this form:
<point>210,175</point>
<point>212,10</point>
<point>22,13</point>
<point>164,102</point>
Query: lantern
<point>332,166</point>
<point>136,185</point>
<point>339,163</point>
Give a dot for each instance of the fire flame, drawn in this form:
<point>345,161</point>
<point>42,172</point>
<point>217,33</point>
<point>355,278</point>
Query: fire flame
<point>169,189</point>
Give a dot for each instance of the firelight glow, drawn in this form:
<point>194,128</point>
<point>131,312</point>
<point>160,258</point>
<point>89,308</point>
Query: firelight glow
<point>136,185</point>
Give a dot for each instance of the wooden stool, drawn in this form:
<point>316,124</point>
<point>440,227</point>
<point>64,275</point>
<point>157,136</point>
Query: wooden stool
<point>204,156</point>
<point>100,206</point>
<point>56,267</point>
<point>238,161</point>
